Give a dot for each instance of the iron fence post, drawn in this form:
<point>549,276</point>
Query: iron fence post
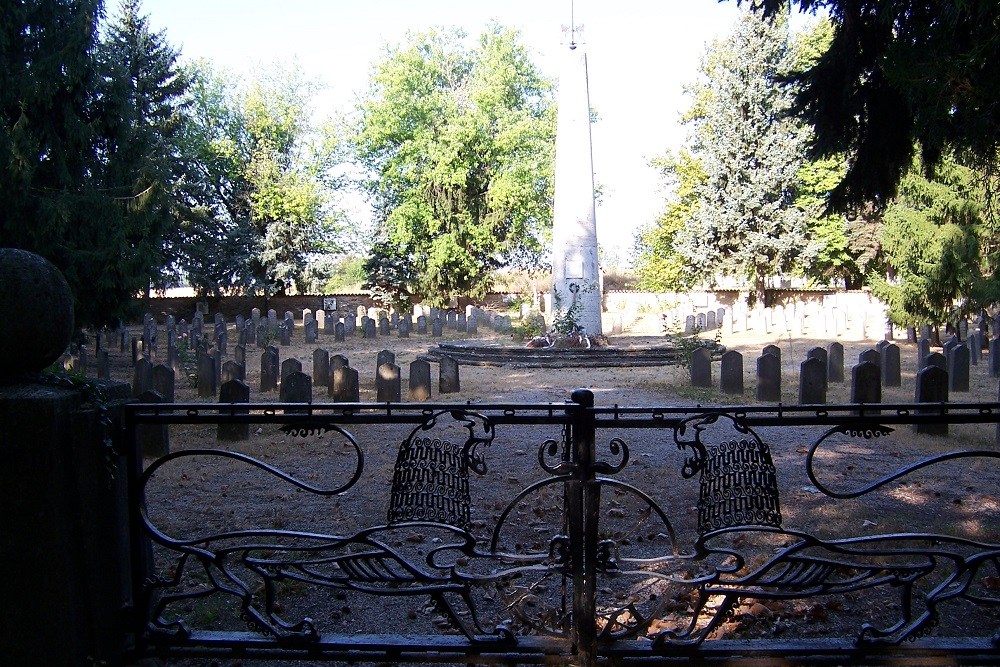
<point>584,505</point>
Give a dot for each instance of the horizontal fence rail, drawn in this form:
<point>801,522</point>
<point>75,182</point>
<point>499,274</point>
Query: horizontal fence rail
<point>565,533</point>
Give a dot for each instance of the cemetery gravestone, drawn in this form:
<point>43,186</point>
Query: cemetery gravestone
<point>163,381</point>
<point>404,327</point>
<point>350,325</point>
<point>422,325</point>
<point>232,370</point>
<point>731,373</point>
<point>340,332</point>
<point>932,387</point>
<point>937,360</point>
<point>388,383</point>
<point>835,362</point>
<point>296,387</point>
<point>701,368</point>
<point>768,378</point>
<point>949,345</point>
<point>871,355</point>
<point>891,366</point>
<point>420,380</point>
<point>437,328</point>
<point>142,377</point>
<point>866,383</point>
<point>448,378</point>
<point>384,357</point>
<point>234,391</point>
<point>269,369</point>
<point>772,350</point>
<point>103,365</point>
<point>344,384</point>
<point>821,354</point>
<point>336,361</point>
<point>975,350</point>
<point>289,366</point>
<point>207,376</point>
<point>958,369</point>
<point>812,381</point>
<point>923,349</point>
<point>995,358</point>
<point>321,367</point>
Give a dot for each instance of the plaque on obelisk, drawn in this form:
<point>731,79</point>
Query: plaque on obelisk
<point>575,272</point>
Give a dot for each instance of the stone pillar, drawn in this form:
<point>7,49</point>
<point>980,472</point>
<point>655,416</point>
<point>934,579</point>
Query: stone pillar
<point>62,537</point>
<point>575,272</point>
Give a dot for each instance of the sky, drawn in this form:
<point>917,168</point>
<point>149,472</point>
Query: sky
<point>640,54</point>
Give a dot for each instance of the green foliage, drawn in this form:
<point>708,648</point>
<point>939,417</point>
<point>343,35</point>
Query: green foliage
<point>261,198</point>
<point>460,144</point>
<point>566,319</point>
<point>685,344</point>
<point>933,239</point>
<point>899,75</point>
<point>659,267</point>
<point>66,132</point>
<point>744,223</point>
<point>528,328</point>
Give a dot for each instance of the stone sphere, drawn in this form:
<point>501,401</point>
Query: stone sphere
<point>37,308</point>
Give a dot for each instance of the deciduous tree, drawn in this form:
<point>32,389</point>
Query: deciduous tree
<point>260,198</point>
<point>459,141</point>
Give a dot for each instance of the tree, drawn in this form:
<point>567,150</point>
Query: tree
<point>50,205</point>
<point>260,196</point>
<point>940,251</point>
<point>460,143</point>
<point>659,267</point>
<point>745,223</point>
<point>140,90</point>
<point>900,75</point>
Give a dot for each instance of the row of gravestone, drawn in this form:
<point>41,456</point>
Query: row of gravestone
<point>709,321</point>
<point>333,372</point>
<point>265,330</point>
<point>877,367</point>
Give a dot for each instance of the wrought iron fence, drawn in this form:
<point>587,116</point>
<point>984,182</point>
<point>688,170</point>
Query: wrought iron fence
<point>565,533</point>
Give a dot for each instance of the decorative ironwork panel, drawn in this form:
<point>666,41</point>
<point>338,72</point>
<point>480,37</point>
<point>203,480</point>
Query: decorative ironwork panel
<point>431,478</point>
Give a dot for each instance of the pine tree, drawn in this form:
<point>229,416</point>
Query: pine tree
<point>746,224</point>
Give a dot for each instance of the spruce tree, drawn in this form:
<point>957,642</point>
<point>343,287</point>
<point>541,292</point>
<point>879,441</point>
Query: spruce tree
<point>141,93</point>
<point>939,248</point>
<point>745,224</point>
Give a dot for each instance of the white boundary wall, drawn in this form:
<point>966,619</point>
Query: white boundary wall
<point>854,314</point>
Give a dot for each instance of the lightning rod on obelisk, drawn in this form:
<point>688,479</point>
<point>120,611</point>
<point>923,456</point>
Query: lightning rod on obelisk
<point>575,271</point>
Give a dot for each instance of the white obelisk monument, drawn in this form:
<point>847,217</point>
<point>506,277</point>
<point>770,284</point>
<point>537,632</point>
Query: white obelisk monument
<point>575,272</point>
